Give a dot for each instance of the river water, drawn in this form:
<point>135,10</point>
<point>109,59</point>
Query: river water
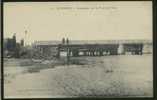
<point>107,76</point>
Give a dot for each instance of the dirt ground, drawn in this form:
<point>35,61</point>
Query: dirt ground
<point>107,76</point>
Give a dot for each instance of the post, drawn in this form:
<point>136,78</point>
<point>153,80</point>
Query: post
<point>58,51</point>
<point>101,53</point>
<point>84,53</point>
<point>121,49</point>
<point>141,49</point>
<point>68,55</point>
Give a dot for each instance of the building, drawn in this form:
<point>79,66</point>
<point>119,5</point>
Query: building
<point>11,47</point>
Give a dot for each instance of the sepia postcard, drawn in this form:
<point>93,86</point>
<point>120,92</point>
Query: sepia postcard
<point>78,49</point>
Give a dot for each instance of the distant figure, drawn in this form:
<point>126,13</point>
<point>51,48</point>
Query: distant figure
<point>67,41</point>
<point>63,41</point>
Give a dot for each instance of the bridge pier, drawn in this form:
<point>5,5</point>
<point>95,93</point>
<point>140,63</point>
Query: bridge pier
<point>58,52</point>
<point>89,53</point>
<point>134,49</point>
<point>98,53</point>
<point>113,52</point>
<point>108,52</point>
<point>92,53</point>
<point>68,55</point>
<point>121,49</point>
<point>75,53</point>
<point>147,48</point>
<point>84,53</point>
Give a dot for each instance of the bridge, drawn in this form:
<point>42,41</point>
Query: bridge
<point>94,48</point>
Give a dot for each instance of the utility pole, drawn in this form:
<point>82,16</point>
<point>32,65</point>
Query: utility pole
<point>68,51</point>
<point>26,32</point>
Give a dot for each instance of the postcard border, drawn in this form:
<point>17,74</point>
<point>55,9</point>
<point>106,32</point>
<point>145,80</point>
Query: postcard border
<point>127,98</point>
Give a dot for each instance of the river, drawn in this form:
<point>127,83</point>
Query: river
<point>107,76</point>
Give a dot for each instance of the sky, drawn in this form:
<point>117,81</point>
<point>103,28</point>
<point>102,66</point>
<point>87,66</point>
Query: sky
<point>42,21</point>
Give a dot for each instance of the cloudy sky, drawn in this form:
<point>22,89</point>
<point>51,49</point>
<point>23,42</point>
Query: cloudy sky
<point>78,20</point>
